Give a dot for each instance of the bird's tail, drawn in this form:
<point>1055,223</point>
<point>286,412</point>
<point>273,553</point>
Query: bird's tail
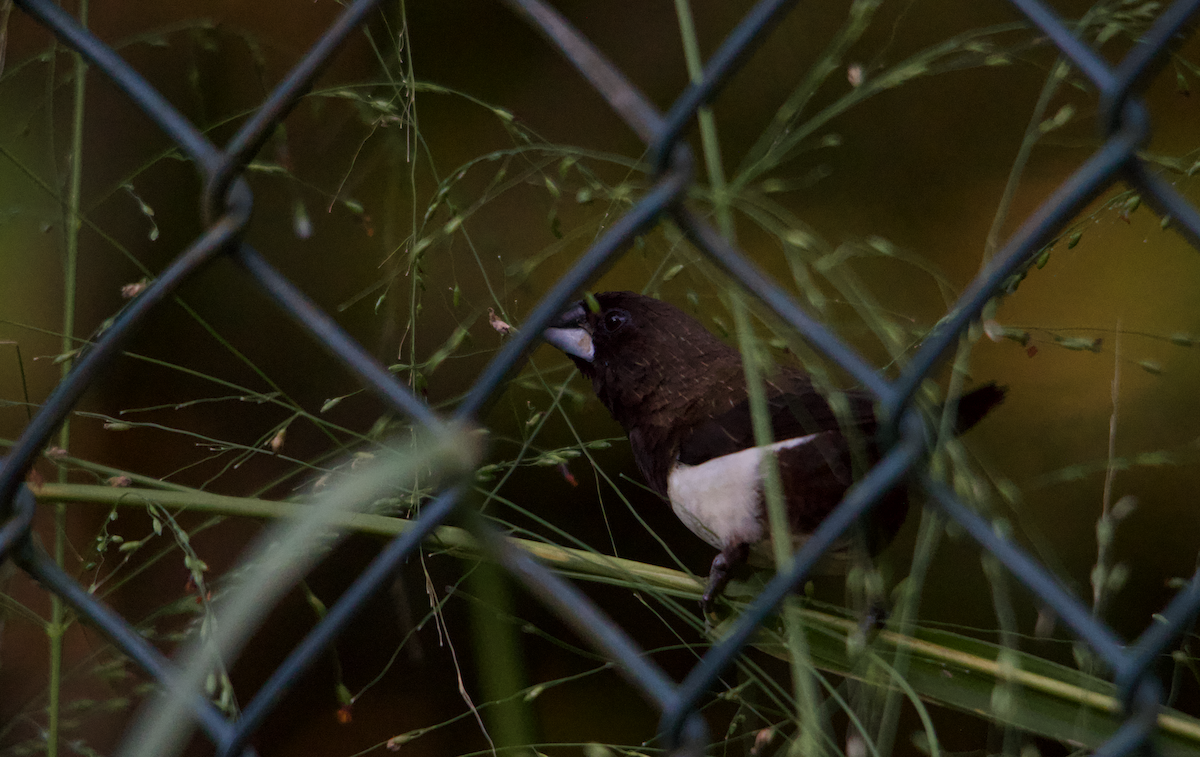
<point>977,403</point>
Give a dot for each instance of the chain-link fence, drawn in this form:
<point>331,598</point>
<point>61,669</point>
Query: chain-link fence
<point>226,204</point>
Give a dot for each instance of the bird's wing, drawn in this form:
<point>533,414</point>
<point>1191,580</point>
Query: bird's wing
<point>792,414</point>
<point>815,477</point>
<point>804,411</point>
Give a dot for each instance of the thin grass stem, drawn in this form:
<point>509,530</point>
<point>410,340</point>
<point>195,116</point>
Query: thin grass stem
<point>57,626</point>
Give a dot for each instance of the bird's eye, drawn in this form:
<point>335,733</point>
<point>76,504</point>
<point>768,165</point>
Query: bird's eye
<point>615,319</point>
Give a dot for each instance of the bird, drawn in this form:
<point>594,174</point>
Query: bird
<point>680,393</point>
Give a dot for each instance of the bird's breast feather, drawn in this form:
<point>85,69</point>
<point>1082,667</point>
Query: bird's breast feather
<point>721,500</point>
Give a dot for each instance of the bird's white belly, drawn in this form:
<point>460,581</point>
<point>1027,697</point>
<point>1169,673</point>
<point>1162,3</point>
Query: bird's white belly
<point>721,500</point>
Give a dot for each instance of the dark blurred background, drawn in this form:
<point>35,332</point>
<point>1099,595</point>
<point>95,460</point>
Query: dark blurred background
<point>343,189</point>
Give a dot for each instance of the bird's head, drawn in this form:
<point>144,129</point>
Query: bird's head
<point>643,354</point>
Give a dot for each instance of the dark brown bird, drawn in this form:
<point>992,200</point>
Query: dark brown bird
<point>680,394</point>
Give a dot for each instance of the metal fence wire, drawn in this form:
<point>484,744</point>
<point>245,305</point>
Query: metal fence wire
<point>226,204</point>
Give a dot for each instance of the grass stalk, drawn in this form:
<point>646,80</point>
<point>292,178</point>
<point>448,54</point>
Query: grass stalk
<point>1033,132</point>
<point>71,227</point>
<point>930,523</point>
<point>1106,526</point>
<point>280,557</point>
<point>708,125</point>
<point>805,690</point>
<point>500,657</point>
<point>972,662</point>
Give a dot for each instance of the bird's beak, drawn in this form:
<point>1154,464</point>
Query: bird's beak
<point>571,333</point>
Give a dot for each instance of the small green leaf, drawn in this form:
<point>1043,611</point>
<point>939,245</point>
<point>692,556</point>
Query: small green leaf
<point>1020,336</point>
<point>1059,119</point>
<point>331,403</point>
<point>1118,577</point>
<point>798,238</point>
<point>1154,459</point>
<point>882,246</point>
<point>1009,490</point>
<point>64,357</point>
<point>534,692</point>
<point>1079,343</point>
<point>722,326</point>
<point>419,248</point>
<point>314,602</point>
<point>302,225</point>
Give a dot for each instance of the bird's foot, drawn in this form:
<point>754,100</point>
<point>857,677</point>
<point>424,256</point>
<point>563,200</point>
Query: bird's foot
<point>719,574</point>
<point>870,624</point>
<point>877,615</point>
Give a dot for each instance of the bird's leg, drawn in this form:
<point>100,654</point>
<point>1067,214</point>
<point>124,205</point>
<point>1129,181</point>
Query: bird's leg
<point>877,614</point>
<point>868,593</point>
<point>721,571</point>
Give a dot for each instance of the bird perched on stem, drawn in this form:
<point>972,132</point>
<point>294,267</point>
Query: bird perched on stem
<point>680,394</point>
